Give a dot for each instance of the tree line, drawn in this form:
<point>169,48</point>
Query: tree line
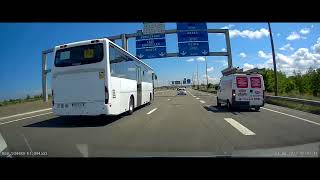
<point>308,83</point>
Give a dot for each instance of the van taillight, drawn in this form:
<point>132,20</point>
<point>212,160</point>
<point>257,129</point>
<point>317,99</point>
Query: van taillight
<point>233,92</point>
<point>106,100</point>
<point>52,98</point>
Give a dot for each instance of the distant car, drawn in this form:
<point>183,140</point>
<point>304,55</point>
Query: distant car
<point>182,91</point>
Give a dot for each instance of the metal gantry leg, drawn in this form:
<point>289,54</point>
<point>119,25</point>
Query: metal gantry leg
<point>124,40</point>
<point>228,44</point>
<point>44,77</point>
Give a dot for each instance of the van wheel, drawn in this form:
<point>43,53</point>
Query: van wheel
<point>131,106</point>
<point>229,106</point>
<point>218,103</point>
<point>257,108</point>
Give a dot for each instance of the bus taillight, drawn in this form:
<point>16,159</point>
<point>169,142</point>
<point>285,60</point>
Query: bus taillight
<point>106,100</point>
<point>52,98</point>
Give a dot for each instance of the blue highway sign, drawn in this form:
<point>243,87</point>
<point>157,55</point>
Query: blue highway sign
<point>153,52</point>
<point>150,43</point>
<point>193,49</point>
<point>192,36</point>
<point>151,46</point>
<point>150,36</point>
<point>191,26</point>
<point>193,39</point>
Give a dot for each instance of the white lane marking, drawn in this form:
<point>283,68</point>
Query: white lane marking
<point>25,139</point>
<point>25,118</point>
<point>83,148</point>
<point>239,127</point>
<point>197,98</point>
<point>25,113</point>
<point>168,99</point>
<point>152,111</point>
<point>202,101</point>
<point>191,94</point>
<point>3,144</point>
<point>292,116</point>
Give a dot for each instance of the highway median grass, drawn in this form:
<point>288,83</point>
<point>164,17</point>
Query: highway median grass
<point>295,105</point>
<point>20,101</point>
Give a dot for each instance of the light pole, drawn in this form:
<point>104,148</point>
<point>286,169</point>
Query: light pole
<point>197,75</point>
<point>206,71</point>
<point>274,63</point>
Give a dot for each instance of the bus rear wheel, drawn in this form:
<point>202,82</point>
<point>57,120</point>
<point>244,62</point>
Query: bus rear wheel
<point>131,106</point>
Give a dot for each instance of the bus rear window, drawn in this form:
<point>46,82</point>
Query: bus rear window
<point>79,55</point>
<point>255,82</point>
<point>242,82</point>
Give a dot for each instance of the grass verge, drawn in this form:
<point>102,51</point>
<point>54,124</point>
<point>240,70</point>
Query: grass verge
<point>294,105</point>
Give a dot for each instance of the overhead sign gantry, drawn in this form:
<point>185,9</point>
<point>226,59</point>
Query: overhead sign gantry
<point>192,41</point>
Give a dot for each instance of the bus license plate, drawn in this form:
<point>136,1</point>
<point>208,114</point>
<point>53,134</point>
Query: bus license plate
<point>78,105</point>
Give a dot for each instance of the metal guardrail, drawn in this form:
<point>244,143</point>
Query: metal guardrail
<point>298,100</point>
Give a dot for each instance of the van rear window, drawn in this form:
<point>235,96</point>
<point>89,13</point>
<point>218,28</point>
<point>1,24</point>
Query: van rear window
<point>242,82</point>
<point>255,82</point>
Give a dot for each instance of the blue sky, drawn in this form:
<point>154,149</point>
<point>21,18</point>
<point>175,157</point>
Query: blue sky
<point>297,46</point>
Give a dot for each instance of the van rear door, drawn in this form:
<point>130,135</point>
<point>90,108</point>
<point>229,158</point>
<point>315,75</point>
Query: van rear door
<point>256,90</point>
<point>241,90</point>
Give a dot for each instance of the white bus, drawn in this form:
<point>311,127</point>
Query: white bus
<point>97,77</point>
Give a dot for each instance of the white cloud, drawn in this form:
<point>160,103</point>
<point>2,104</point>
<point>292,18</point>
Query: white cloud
<point>242,55</point>
<point>286,47</point>
<point>223,49</point>
<point>190,60</point>
<point>305,31</point>
<point>264,55</point>
<point>293,36</point>
<point>257,34</point>
<point>278,34</point>
<point>228,27</point>
<point>247,66</point>
<point>300,60</point>
<point>223,62</point>
<point>200,59</point>
<point>316,47</point>
<point>213,80</point>
<point>311,25</point>
<point>210,69</point>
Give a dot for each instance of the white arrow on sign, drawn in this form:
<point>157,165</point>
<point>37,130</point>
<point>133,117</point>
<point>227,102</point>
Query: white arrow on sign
<point>162,54</point>
<point>140,55</point>
<point>183,53</point>
<point>204,52</point>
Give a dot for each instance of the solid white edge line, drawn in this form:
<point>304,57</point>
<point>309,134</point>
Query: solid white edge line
<point>25,139</point>
<point>239,127</point>
<point>202,101</point>
<point>31,112</point>
<point>25,118</point>
<point>152,111</point>
<point>3,144</point>
<point>292,116</point>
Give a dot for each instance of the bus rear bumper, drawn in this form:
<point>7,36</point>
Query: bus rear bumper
<point>81,109</point>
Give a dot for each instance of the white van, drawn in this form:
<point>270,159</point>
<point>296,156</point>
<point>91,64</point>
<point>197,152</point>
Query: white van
<point>241,90</point>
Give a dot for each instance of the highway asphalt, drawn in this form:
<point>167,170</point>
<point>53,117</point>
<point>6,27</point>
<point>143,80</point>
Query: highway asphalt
<point>174,126</point>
